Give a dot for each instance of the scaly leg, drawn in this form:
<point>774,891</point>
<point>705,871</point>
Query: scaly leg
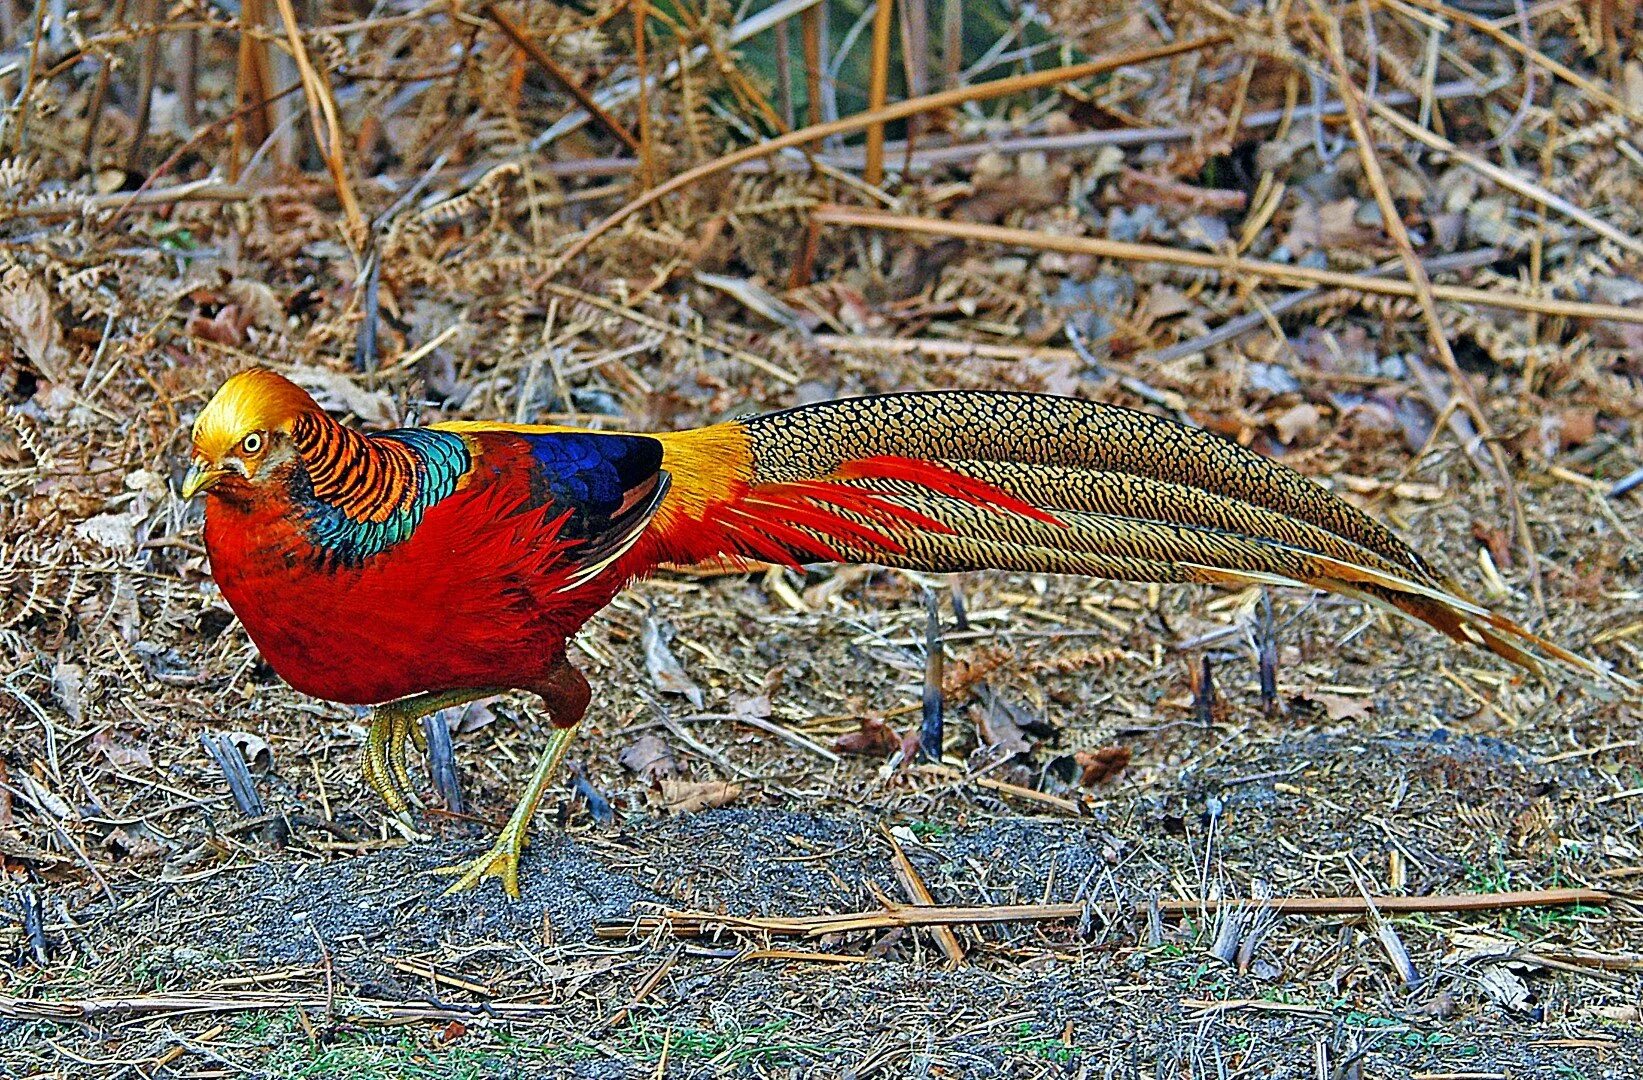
<point>393,727</point>
<point>566,694</point>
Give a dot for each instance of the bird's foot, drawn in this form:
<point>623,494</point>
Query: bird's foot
<point>502,861</point>
<point>393,730</point>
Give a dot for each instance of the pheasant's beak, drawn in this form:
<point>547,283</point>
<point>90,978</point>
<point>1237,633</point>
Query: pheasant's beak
<point>201,475</point>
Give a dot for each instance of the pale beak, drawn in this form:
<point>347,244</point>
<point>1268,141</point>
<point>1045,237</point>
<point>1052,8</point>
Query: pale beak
<point>201,475</point>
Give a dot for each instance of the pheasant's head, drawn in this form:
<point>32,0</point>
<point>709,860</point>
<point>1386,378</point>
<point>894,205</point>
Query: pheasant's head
<point>243,435</point>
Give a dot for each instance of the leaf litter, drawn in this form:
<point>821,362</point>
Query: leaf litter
<point>206,232</point>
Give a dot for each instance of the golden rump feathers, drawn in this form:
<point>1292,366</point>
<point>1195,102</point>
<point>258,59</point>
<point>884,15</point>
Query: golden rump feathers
<point>257,400</point>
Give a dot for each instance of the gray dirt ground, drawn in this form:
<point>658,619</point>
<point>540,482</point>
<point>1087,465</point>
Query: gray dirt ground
<point>1033,1002</point>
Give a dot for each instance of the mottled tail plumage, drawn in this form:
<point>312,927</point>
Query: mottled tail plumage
<point>1077,487</point>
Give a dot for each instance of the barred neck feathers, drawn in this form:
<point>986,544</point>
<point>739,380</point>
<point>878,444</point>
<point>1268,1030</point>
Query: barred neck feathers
<point>365,493</point>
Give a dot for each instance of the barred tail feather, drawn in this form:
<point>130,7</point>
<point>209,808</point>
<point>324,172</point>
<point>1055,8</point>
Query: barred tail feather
<point>950,481</point>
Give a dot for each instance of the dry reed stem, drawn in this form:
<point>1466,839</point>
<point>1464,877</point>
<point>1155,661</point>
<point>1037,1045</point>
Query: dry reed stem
<point>322,115</point>
<point>647,163</point>
<point>1227,266</point>
<point>810,30</point>
<point>919,893</point>
<point>1015,84</point>
<point>1392,222</point>
<point>566,80</point>
<point>254,79</point>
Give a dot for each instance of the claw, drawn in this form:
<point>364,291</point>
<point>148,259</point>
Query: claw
<point>502,861</point>
<point>385,765</point>
<point>387,762</point>
<point>400,736</point>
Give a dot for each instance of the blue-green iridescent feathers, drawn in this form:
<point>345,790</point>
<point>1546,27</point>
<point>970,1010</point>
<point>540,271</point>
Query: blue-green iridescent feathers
<point>441,459</point>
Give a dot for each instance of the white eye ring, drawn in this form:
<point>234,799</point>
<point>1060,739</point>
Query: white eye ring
<point>251,443</point>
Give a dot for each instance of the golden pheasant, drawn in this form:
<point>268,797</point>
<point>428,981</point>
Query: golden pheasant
<point>424,567</point>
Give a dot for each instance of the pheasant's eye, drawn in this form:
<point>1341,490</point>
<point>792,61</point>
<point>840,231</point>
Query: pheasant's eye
<point>252,443</point>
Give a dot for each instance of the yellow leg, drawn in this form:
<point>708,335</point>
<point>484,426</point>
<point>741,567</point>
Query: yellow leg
<point>393,727</point>
<point>502,861</point>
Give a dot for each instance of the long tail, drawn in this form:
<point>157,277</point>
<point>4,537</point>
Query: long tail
<point>949,481</point>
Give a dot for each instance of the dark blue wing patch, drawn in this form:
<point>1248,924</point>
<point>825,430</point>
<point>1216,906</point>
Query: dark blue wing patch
<point>600,479</point>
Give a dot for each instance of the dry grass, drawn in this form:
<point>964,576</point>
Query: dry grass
<point>411,213</point>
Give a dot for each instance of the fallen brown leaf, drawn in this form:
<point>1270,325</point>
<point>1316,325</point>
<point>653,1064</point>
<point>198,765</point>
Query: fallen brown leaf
<point>689,796</point>
<point>875,739</point>
<point>1339,706</point>
<point>1101,765</point>
<point>650,758</point>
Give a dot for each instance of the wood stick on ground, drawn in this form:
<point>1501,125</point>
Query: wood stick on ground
<point>696,923</point>
<point>1226,266</point>
<point>369,1010</point>
<point>1357,119</point>
<point>919,893</point>
<point>1015,84</point>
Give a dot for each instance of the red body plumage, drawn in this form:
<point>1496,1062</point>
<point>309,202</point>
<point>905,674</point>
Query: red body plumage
<point>470,599</point>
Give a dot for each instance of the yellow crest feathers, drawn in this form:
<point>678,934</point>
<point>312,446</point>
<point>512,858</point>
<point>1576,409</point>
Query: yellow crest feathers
<point>254,400</point>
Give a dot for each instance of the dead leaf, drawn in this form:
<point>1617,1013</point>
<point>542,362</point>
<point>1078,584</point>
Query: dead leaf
<point>650,758</point>
<point>133,844</point>
<point>226,327</point>
<point>258,755</point>
<point>471,717</point>
<point>999,731</point>
<point>1624,1014</point>
<point>338,393</point>
<point>1494,538</point>
<point>121,753</point>
<point>1506,987</point>
<point>68,683</point>
<point>689,796</point>
<point>1339,706</point>
<point>1101,765</point>
<point>875,739</point>
<point>25,310</point>
<point>666,673</point>
<point>1296,421</point>
<point>117,532</point>
<point>756,707</point>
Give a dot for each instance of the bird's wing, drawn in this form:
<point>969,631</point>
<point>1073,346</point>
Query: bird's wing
<point>603,490</point>
<point>599,489</point>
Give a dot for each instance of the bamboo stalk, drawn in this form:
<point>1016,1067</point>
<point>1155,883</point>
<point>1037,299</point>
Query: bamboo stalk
<point>878,90</point>
<point>1015,84</point>
<point>647,166</point>
<point>810,29</point>
<point>254,83</point>
<point>1227,266</point>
